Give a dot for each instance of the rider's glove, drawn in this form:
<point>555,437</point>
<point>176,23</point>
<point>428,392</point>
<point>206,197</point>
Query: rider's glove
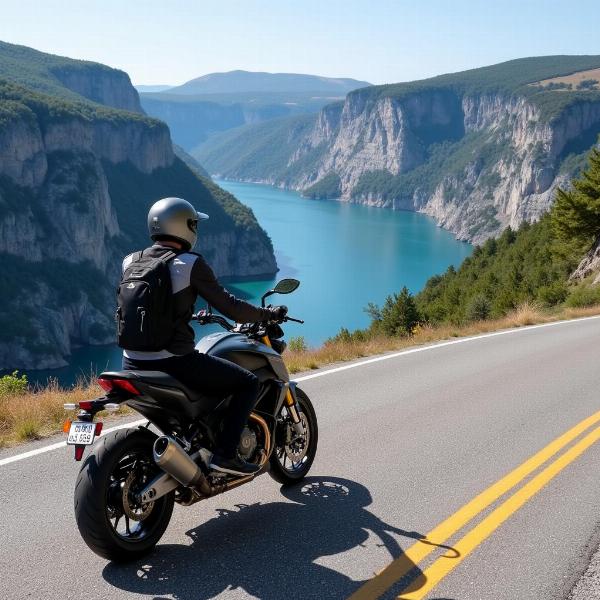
<point>278,313</point>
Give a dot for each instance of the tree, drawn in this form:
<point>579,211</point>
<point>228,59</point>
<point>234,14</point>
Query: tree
<point>398,316</point>
<point>479,308</point>
<point>576,211</point>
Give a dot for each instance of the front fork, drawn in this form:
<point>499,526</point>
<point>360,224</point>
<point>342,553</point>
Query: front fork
<point>292,407</point>
<point>290,399</point>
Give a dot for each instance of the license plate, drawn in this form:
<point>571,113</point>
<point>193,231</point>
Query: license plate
<point>81,433</point>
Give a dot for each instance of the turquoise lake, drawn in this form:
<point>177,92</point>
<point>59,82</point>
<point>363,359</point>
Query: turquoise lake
<point>345,255</point>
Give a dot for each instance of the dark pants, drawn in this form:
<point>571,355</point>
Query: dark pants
<point>214,377</point>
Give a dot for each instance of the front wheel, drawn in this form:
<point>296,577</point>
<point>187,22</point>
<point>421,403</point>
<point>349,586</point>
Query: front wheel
<point>294,453</point>
<point>112,522</point>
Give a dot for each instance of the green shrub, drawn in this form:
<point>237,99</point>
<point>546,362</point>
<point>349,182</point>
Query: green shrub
<point>479,308</point>
<point>398,316</point>
<point>13,384</point>
<point>297,344</point>
<point>346,336</point>
<point>553,294</point>
<point>583,296</point>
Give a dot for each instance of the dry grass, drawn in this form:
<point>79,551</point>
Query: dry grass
<point>332,352</point>
<point>40,413</point>
<point>573,78</point>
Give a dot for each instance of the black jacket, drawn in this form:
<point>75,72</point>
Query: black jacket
<point>191,276</point>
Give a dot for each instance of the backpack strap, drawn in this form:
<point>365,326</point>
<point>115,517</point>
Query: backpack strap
<point>168,256</point>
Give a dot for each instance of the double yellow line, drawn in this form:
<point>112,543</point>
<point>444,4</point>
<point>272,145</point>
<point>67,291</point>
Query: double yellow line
<point>401,567</point>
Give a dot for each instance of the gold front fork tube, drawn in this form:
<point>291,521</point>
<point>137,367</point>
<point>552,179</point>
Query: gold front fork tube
<point>288,397</point>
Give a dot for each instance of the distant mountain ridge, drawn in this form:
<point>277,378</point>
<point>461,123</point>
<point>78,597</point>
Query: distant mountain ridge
<point>152,88</point>
<point>236,82</point>
<point>79,166</point>
<point>478,150</point>
<point>217,102</point>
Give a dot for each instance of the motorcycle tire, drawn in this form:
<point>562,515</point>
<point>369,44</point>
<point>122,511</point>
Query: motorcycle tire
<point>100,496</point>
<point>287,475</point>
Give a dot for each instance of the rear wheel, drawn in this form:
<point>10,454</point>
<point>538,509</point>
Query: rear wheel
<point>294,453</point>
<point>112,522</point>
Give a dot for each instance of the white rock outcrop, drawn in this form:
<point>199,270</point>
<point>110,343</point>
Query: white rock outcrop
<point>476,201</point>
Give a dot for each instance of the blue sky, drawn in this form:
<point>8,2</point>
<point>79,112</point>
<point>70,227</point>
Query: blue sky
<point>382,41</point>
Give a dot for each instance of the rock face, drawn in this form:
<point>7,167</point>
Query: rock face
<point>475,199</point>
<point>64,230</point>
<point>107,86</point>
<point>589,265</point>
<point>479,151</point>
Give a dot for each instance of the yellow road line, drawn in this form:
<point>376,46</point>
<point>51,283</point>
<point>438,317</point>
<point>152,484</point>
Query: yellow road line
<point>420,550</point>
<point>443,565</point>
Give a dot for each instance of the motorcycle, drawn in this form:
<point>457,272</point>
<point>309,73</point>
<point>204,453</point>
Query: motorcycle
<point>127,487</point>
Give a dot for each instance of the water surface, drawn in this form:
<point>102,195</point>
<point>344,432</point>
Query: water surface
<point>345,255</point>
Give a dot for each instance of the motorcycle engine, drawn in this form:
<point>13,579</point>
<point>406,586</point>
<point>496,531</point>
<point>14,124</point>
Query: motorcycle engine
<point>248,443</point>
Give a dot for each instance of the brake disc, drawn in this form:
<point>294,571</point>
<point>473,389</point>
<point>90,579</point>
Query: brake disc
<point>297,448</point>
<point>134,510</point>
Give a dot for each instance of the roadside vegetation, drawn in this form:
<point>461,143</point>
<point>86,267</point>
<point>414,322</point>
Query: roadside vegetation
<point>348,346</point>
<point>29,412</point>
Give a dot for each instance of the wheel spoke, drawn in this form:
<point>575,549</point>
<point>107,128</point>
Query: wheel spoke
<point>127,530</point>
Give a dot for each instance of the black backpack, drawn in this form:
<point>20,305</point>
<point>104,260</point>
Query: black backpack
<point>145,319</point>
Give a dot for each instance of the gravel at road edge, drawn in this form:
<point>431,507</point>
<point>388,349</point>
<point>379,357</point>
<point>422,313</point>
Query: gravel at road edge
<point>588,587</point>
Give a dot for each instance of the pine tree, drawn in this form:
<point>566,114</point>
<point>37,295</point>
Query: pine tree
<point>576,211</point>
<point>399,314</point>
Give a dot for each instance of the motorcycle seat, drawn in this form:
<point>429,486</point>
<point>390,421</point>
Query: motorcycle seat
<point>156,378</point>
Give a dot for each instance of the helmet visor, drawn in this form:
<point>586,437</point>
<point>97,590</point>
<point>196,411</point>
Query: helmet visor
<point>193,223</point>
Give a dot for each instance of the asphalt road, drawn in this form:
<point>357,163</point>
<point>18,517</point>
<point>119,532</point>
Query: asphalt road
<point>405,443</point>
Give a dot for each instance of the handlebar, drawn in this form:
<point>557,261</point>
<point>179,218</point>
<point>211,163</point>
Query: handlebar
<point>204,318</point>
<point>294,320</point>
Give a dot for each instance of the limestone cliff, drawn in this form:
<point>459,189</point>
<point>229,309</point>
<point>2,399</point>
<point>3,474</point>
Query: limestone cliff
<point>76,180</point>
<point>105,86</point>
<point>478,151</point>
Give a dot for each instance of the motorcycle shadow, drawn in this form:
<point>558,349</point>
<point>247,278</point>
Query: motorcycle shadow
<point>268,550</point>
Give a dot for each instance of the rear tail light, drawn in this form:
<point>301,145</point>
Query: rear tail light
<point>98,430</point>
<point>106,384</point>
<point>86,404</point>
<point>110,385</point>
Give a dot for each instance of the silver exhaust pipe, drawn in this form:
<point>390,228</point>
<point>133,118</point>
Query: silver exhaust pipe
<point>172,459</point>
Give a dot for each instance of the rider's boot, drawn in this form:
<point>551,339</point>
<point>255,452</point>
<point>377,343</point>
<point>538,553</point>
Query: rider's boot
<point>232,466</point>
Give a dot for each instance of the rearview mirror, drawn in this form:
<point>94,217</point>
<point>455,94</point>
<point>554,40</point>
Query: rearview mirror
<point>286,286</point>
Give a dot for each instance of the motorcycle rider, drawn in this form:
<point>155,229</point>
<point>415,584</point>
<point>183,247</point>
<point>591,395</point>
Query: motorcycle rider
<point>173,226</point>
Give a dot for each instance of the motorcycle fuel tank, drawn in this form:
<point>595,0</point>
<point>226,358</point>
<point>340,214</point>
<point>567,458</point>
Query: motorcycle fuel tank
<point>249,354</point>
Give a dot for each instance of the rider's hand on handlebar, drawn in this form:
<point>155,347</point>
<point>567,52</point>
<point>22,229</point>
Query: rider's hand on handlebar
<point>278,313</point>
